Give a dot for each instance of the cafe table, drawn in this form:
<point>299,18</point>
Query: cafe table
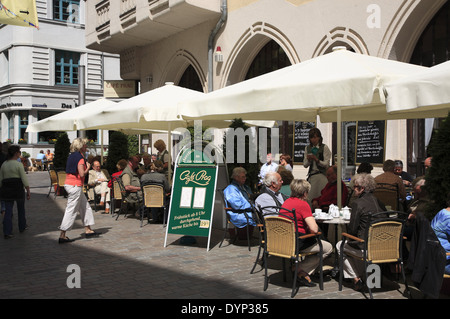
<point>336,221</point>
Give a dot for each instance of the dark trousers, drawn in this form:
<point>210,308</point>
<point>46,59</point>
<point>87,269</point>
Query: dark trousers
<point>7,218</point>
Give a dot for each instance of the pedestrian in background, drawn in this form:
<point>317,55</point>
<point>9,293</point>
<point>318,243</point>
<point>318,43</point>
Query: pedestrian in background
<point>13,181</point>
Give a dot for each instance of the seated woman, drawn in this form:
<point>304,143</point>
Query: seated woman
<point>366,202</point>
<point>441,227</point>
<point>305,224</point>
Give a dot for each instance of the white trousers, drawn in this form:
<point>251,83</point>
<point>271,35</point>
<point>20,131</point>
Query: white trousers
<point>103,188</point>
<point>76,202</point>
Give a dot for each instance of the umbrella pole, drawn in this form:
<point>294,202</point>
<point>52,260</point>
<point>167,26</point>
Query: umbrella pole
<point>101,146</point>
<point>339,158</point>
<point>169,141</point>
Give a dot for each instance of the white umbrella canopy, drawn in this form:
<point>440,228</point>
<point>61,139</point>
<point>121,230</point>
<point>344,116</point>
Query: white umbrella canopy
<point>68,120</point>
<point>342,80</point>
<point>425,94</point>
<point>156,110</point>
<point>339,86</point>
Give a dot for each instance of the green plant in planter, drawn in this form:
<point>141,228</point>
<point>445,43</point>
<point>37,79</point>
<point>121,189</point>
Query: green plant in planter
<point>117,150</point>
<point>437,177</point>
<point>62,150</point>
<point>26,155</point>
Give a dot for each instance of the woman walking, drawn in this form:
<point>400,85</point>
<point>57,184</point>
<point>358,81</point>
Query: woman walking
<point>76,168</point>
<point>13,181</point>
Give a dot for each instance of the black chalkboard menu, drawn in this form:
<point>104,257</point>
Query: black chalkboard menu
<point>370,143</point>
<point>301,139</point>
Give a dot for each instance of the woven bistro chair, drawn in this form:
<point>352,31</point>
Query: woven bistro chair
<point>61,181</point>
<point>53,182</point>
<point>120,192</point>
<point>154,197</point>
<point>260,225</point>
<point>116,196</point>
<point>281,236</point>
<point>389,195</point>
<point>382,244</point>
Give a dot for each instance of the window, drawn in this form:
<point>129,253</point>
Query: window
<point>23,124</point>
<point>47,136</point>
<point>10,116</point>
<point>190,80</point>
<point>66,67</point>
<point>270,58</point>
<point>66,10</point>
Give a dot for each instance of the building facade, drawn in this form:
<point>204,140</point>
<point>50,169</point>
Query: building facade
<point>40,75</point>
<point>209,44</point>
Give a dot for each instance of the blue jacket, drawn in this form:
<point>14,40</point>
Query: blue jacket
<point>238,199</point>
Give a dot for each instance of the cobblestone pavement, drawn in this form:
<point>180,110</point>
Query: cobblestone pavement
<point>128,261</point>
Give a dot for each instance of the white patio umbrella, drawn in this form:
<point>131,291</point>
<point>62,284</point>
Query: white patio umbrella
<point>156,109</point>
<point>339,86</point>
<point>68,120</point>
<point>426,93</point>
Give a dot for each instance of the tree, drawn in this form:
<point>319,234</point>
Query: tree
<point>437,177</point>
<point>62,150</point>
<point>251,168</point>
<point>118,149</point>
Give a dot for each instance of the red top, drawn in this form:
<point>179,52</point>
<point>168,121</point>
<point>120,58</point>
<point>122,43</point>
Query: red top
<point>75,179</point>
<point>302,211</point>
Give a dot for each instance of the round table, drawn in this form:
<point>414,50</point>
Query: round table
<point>336,221</point>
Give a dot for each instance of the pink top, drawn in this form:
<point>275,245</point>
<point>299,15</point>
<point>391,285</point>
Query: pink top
<point>76,179</point>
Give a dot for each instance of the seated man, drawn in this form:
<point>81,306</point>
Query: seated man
<point>328,195</point>
<point>99,181</point>
<point>156,176</point>
<point>237,195</point>
<point>405,176</point>
<point>41,157</point>
<point>132,185</point>
<point>49,158</point>
<point>389,177</point>
<point>270,194</point>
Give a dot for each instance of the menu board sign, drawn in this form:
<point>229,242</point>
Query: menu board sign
<point>301,139</point>
<point>193,194</point>
<point>370,145</point>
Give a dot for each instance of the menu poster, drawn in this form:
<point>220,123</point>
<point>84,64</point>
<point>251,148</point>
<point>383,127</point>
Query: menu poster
<point>301,139</point>
<point>370,145</point>
<point>192,200</point>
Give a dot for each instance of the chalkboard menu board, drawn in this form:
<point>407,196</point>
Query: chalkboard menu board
<point>301,139</point>
<point>370,145</point>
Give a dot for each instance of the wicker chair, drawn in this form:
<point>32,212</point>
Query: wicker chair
<point>116,196</point>
<point>53,182</point>
<point>260,224</point>
<point>281,237</point>
<point>154,197</point>
<point>388,194</point>
<point>61,181</point>
<point>120,192</point>
<point>382,244</point>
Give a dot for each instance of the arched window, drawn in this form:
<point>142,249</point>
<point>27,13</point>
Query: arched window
<point>270,58</point>
<point>190,80</point>
<point>433,47</point>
